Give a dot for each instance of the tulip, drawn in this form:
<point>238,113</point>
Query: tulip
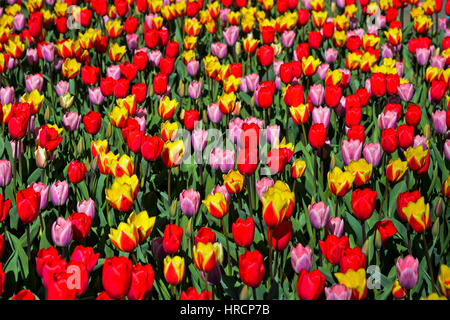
<point>28,204</point>
<point>340,182</point>
<point>216,204</point>
<point>6,95</point>
<point>174,269</point>
<point>5,173</point>
<point>321,115</point>
<point>125,237</point>
<point>214,113</point>
<point>318,214</point>
<point>81,225</point>
<point>407,271</point>
<point>233,181</point>
<point>356,281</point>
<point>58,288</point>
<point>24,294</point>
<point>396,170</point>
<point>386,229</point>
<point>86,256</point>
<point>62,232</point>
<point>194,89</point>
<point>338,292</point>
<point>243,232</point>
<point>439,121</point>
<point>418,214</point>
<point>192,67</point>
<point>251,268</point>
<point>117,276</point>
<point>363,203</point>
<point>372,153</point>
<point>301,258</point>
<point>206,255</point>
<point>416,157</point>
<point>352,259</point>
<point>310,284</point>
<point>398,291</point>
<point>189,202</point>
<point>444,280</point>
<point>123,192</point>
<point>172,238</point>
<point>5,206</point>
<point>142,277</point>
<point>351,150</point>
<point>192,294</point>
<point>59,192</point>
<point>278,202</point>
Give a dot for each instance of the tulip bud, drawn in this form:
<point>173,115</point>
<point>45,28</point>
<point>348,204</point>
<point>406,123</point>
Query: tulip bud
<point>176,170</point>
<point>252,103</point>
<point>189,228</point>
<point>94,164</point>
<point>333,8</point>
<point>173,208</point>
<point>47,114</point>
<point>332,162</point>
<point>181,88</point>
<point>238,48</point>
<point>42,157</point>
<point>365,247</point>
<point>87,163</point>
<point>438,209</point>
<point>244,294</point>
<point>435,228</point>
<point>427,131</point>
<point>182,115</point>
<point>108,130</point>
<point>205,116</point>
<point>151,91</point>
<point>437,51</point>
<point>80,146</point>
<point>378,242</point>
<point>66,101</point>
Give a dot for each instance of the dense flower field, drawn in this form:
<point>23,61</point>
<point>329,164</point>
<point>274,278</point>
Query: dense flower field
<point>232,149</point>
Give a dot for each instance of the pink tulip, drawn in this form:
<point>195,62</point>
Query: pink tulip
<point>262,185</point>
<point>230,35</point>
<point>318,214</point>
<point>59,192</point>
<point>372,153</point>
<point>301,258</point>
<point>407,271</point>
<point>351,150</point>
<point>288,38</point>
<point>387,120</point>
<point>192,67</point>
<point>62,232</point>
<point>214,113</point>
<point>335,226</point>
<point>189,202</point>
<point>321,115</point>
<point>71,121</point>
<point>7,95</point>
<point>48,51</point>
<point>113,71</point>
<point>195,89</point>
<point>95,96</point>
<point>338,292</point>
<point>219,49</point>
<point>439,121</point>
<point>405,91</point>
<point>317,94</point>
<point>5,173</point>
<point>34,81</point>
<point>87,207</point>
<point>199,139</point>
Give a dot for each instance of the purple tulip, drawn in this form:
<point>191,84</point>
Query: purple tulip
<point>5,173</point>
<point>59,192</point>
<point>62,232</point>
<point>273,133</point>
<point>331,55</point>
<point>442,24</point>
<point>214,113</point>
<point>19,22</point>
<point>192,67</point>
<point>318,214</point>
<point>189,202</point>
<point>71,121</point>
<point>58,63</point>
<point>338,292</point>
<point>62,87</point>
<point>400,66</point>
<point>214,276</point>
<point>87,207</point>
<point>321,115</point>
<point>422,55</point>
<point>132,41</point>
<point>288,38</point>
<point>32,56</point>
<point>194,89</point>
<point>351,150</point>
<point>262,185</point>
<point>230,35</point>
<point>48,51</point>
<point>387,51</point>
<point>301,258</point>
<point>437,62</point>
<point>7,95</point>
<point>95,96</point>
<point>322,70</point>
<point>420,140</point>
<point>447,149</point>
<point>243,85</point>
<point>439,121</point>
<point>252,80</point>
<point>340,3</point>
<point>223,159</point>
<point>199,139</point>
<point>405,91</point>
<point>219,49</point>
<point>317,94</point>
<point>372,153</point>
<point>387,120</point>
<point>335,226</point>
<point>224,14</point>
<point>113,71</point>
<point>158,248</point>
<point>407,271</point>
<point>235,129</point>
<point>154,57</point>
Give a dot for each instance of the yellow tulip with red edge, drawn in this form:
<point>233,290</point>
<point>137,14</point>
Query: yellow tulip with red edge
<point>35,99</point>
<point>231,84</point>
<point>122,166</point>
<point>217,205</point>
<point>233,181</point>
<point>370,41</point>
<point>125,237</point>
<point>319,18</point>
<point>172,153</point>
<point>394,36</point>
<point>446,187</point>
<point>309,65</point>
<point>114,28</point>
<point>227,102</point>
<point>167,107</point>
<point>298,169</point>
<point>249,44</point>
<point>14,47</point>
<point>118,116</point>
<point>339,38</point>
<point>206,255</point>
<point>444,280</point>
<point>396,170</point>
<point>341,23</point>
<point>128,103</point>
<point>398,291</point>
<point>416,157</point>
<point>354,280</point>
<point>143,223</point>
<point>65,48</point>
<point>169,130</point>
<point>418,214</point>
<point>123,192</point>
<point>70,68</point>
<point>6,111</point>
<point>278,204</point>
<point>300,113</point>
<point>340,182</point>
<point>99,146</point>
<point>116,52</point>
<point>174,269</point>
<point>105,159</point>
<point>361,170</point>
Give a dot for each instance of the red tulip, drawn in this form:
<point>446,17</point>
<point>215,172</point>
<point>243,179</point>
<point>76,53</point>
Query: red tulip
<point>151,147</point>
<point>142,277</point>
<point>140,60</point>
<point>314,39</point>
<point>356,133</point>
<point>265,55</point>
<point>378,84</point>
<point>387,229</point>
<point>282,235</point>
<point>191,118</point>
<point>413,114</point>
<point>166,65</point>
<point>128,70</point>
<point>317,135</point>
<point>81,225</point>
<point>24,294</point>
<point>172,238</point>
<point>92,122</point>
<point>58,288</point>
<point>130,25</point>
<point>353,116</point>
<point>116,276</point>
<point>18,126</point>
<point>294,95</point>
<point>76,171</point>
<point>247,161</point>
<point>251,268</point>
<point>243,232</point>
<point>139,90</point>
<point>5,206</point>
<point>90,74</point>
<point>405,136</point>
<point>121,88</point>
<point>205,235</point>
<point>363,203</point>
<point>389,140</point>
<point>310,284</point>
<point>43,257</point>
<point>107,86</point>
<point>160,83</point>
<point>192,294</point>
<point>28,204</point>
<point>333,95</point>
<point>333,247</point>
<point>392,83</point>
<point>352,259</point>
<point>268,34</point>
<point>265,93</point>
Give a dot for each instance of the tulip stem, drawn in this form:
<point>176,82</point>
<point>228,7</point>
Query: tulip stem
<point>168,186</point>
<point>28,242</point>
<point>408,234</point>
<point>254,293</point>
<point>430,266</point>
<point>14,171</point>
<point>363,224</point>
<point>270,255</point>
<point>249,189</point>
<point>314,171</point>
<point>305,142</point>
<point>337,207</point>
<point>228,247</point>
<point>133,257</point>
